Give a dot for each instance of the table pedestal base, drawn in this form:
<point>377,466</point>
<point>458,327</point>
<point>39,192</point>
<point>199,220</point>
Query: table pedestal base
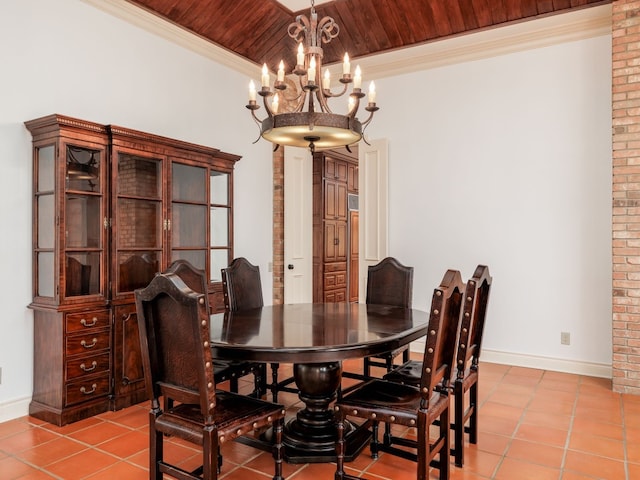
<point>311,436</point>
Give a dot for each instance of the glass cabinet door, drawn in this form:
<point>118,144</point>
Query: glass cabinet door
<point>45,221</point>
<point>219,231</point>
<point>139,221</point>
<point>189,214</point>
<point>84,221</point>
<point>201,218</point>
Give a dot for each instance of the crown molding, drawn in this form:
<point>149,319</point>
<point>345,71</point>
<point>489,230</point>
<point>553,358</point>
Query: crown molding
<point>526,35</point>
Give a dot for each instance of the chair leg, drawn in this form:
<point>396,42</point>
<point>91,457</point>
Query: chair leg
<point>374,446</point>
<point>277,449</point>
<point>367,368</point>
<point>444,449</point>
<point>274,380</point>
<point>156,445</point>
<point>405,356</point>
<point>340,447</point>
<point>233,384</point>
<point>458,422</point>
<point>387,438</point>
<point>423,449</point>
<point>259,381</point>
<point>210,454</point>
<point>389,363</point>
<point>473,419</point>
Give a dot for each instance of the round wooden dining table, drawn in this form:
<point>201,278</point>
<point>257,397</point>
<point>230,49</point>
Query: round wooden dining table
<point>315,338</point>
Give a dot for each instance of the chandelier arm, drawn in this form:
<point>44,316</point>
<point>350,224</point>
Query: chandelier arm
<point>356,106</point>
<point>255,117</point>
<point>367,121</point>
<point>302,96</point>
<point>301,101</point>
<point>329,94</point>
<point>322,100</point>
<point>267,107</point>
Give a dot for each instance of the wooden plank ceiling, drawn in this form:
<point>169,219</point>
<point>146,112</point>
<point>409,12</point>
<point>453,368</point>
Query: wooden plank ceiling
<point>257,29</point>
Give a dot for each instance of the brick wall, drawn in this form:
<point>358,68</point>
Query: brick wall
<point>626,195</point>
<point>278,226</point>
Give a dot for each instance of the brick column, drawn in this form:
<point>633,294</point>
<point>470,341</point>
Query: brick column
<point>278,226</point>
<point>626,195</point>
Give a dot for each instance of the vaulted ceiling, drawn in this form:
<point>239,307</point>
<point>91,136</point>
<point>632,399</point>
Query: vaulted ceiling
<point>257,29</point>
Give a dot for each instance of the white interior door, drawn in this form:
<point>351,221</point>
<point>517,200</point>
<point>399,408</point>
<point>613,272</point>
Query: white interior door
<point>373,190</point>
<point>298,217</point>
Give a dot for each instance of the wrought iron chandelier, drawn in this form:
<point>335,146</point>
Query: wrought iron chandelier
<point>317,126</point>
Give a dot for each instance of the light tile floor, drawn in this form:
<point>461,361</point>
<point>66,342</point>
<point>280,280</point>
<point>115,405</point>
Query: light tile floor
<point>534,424</point>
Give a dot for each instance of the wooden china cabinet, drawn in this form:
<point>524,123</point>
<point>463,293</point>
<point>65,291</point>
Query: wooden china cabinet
<point>335,178</point>
<point>113,206</point>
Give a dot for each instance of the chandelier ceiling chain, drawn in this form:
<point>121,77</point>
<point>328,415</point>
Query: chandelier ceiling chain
<point>317,126</point>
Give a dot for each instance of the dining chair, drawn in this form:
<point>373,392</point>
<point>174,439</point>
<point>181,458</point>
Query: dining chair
<point>388,283</point>
<point>379,400</point>
<point>466,375</point>
<point>174,326</point>
<point>224,370</point>
<point>242,290</point>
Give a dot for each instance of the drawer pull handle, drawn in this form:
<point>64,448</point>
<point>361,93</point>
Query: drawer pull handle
<point>89,392</point>
<point>93,366</point>
<point>94,320</point>
<point>87,345</point>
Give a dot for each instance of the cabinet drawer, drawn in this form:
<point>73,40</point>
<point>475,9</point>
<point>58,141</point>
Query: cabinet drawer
<point>89,342</point>
<point>87,390</point>
<point>85,320</point>
<point>92,365</point>
<point>335,296</point>
<point>335,280</point>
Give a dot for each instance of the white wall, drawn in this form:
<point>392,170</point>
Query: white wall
<point>506,161</point>
<point>70,58</point>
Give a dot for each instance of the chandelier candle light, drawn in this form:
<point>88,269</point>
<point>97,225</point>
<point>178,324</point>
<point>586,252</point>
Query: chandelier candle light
<point>317,126</point>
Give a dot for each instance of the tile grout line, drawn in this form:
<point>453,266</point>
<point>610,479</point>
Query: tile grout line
<point>624,438</point>
<point>565,449</point>
<point>513,434</point>
<point>495,386</point>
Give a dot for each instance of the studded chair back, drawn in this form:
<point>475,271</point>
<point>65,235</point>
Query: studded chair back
<point>241,285</point>
<point>465,376</point>
<point>174,330</point>
<point>475,311</point>
<point>390,283</point>
<point>440,347</point>
<point>174,325</point>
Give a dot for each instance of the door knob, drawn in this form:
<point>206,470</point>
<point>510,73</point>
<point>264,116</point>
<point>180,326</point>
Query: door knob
<point>290,266</point>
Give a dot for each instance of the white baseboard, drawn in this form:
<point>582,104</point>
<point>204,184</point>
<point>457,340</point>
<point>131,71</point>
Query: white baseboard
<point>14,409</point>
<point>578,367</point>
